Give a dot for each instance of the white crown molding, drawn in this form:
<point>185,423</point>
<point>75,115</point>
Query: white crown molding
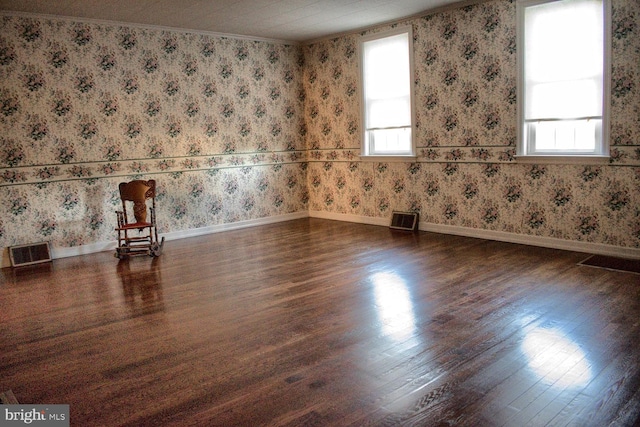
<point>440,9</point>
<point>144,26</point>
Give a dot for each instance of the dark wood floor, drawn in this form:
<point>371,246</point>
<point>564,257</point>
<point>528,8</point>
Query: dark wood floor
<point>315,322</point>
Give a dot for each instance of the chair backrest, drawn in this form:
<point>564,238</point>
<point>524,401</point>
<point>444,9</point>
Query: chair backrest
<point>138,191</point>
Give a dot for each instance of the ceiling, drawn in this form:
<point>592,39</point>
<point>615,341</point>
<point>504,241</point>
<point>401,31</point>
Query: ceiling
<point>285,20</point>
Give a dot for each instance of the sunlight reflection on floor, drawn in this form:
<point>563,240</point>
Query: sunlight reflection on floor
<point>395,308</point>
<point>556,358</point>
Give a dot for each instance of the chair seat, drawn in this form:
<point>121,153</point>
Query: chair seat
<point>134,225</point>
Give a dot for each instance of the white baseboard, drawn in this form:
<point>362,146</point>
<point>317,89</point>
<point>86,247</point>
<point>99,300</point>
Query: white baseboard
<point>547,242</point>
<point>350,218</point>
<point>58,252</point>
<point>218,228</point>
<point>501,236</point>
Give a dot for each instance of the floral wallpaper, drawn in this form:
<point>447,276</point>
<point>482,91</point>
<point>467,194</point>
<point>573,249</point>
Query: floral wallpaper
<point>465,174</point>
<point>218,122</point>
<point>235,129</point>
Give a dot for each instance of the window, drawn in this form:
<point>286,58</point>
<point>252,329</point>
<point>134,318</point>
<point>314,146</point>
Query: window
<point>386,64</point>
<point>562,99</point>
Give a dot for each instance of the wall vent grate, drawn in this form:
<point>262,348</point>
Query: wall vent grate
<point>33,253</point>
<point>404,221</point>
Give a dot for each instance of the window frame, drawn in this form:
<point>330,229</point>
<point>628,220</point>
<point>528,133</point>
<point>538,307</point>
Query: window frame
<point>601,154</point>
<point>365,153</point>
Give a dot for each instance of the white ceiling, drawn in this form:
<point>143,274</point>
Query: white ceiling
<point>286,20</point>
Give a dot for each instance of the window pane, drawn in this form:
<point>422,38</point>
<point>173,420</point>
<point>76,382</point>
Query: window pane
<point>564,59</point>
<point>386,67</point>
<point>562,39</point>
<point>392,112</point>
<point>564,100</point>
<point>390,141</point>
<point>566,135</point>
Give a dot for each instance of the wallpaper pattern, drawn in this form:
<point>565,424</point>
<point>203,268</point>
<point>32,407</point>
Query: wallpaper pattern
<point>235,129</point>
<point>216,121</point>
<point>465,174</point>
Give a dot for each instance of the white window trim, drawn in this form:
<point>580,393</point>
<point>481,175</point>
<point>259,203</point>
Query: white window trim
<point>364,152</point>
<point>388,159</point>
<point>561,159</point>
<point>564,158</point>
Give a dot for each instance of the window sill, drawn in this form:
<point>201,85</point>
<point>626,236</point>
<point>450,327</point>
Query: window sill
<point>564,160</point>
<point>388,159</point>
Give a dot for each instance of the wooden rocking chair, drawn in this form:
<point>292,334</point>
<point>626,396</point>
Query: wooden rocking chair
<point>139,237</point>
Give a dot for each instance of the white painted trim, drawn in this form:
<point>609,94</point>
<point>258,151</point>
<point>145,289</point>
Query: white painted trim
<point>563,160</point>
<point>144,26</point>
<point>218,228</point>
<point>58,252</point>
<point>547,242</point>
<point>431,11</point>
<point>350,218</point>
<point>388,159</point>
<point>501,236</point>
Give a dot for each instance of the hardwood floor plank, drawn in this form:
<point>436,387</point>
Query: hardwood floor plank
<point>316,322</point>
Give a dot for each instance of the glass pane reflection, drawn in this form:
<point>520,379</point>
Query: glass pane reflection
<point>556,358</point>
<point>394,305</point>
